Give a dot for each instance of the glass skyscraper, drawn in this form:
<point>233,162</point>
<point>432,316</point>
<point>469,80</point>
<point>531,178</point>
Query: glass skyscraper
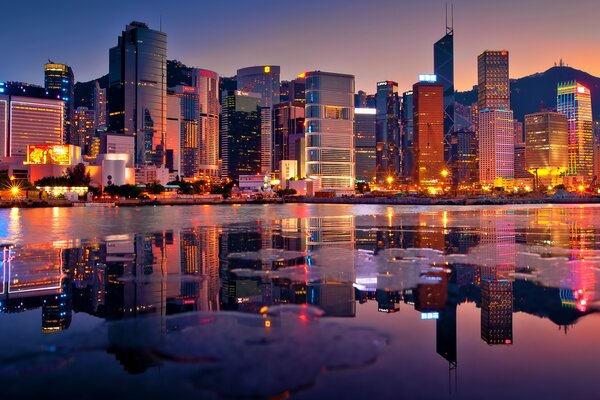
<point>493,85</point>
<point>365,143</point>
<point>574,100</point>
<point>137,90</point>
<point>388,130</point>
<point>264,80</point>
<point>443,62</point>
<point>206,84</point>
<point>60,81</point>
<point>330,129</point>
<point>407,127</point>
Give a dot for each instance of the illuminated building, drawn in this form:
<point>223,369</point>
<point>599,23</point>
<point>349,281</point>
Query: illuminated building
<point>206,84</point>
<point>27,120</point>
<point>59,80</point>
<point>387,130</point>
<point>330,129</point>
<point>137,90</point>
<point>493,90</point>
<point>264,80</point>
<point>407,126</point>
<point>520,171</point>
<point>240,134</point>
<point>428,144</point>
<point>82,125</point>
<point>174,132</point>
<point>464,148</point>
<point>118,143</point>
<point>496,147</point>
<point>365,144</point>
<point>100,107</point>
<point>547,145</point>
<point>288,130</point>
<point>443,66</point>
<point>574,100</point>
<point>496,311</point>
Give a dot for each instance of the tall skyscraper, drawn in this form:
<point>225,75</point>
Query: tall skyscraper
<point>493,85</point>
<point>330,129</point>
<point>137,90</point>
<point>428,101</point>
<point>176,129</point>
<point>240,134</point>
<point>496,146</point>
<point>264,80</point>
<point>59,79</point>
<point>443,67</point>
<point>547,145</point>
<point>407,137</point>
<point>574,100</point>
<point>100,107</point>
<point>288,129</point>
<point>388,130</point>
<point>83,125</point>
<point>206,84</point>
<point>365,144</point>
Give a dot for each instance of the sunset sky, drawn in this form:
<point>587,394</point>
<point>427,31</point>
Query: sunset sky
<point>374,40</point>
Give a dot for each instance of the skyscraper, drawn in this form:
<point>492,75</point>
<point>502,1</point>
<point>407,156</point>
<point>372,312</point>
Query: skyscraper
<point>137,90</point>
<point>574,100</point>
<point>288,129</point>
<point>206,84</point>
<point>428,101</point>
<point>496,146</point>
<point>330,129</point>
<point>464,148</point>
<point>264,80</point>
<point>388,130</point>
<point>240,134</point>
<point>407,126</point>
<point>547,145</point>
<point>365,143</point>
<point>83,125</point>
<point>100,107</point>
<point>443,67</point>
<point>493,86</point>
<point>59,79</point>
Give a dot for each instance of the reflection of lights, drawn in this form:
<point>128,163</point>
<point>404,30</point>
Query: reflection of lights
<point>267,324</point>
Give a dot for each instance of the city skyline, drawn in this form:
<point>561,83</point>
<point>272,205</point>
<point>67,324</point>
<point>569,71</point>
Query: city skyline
<point>396,24</point>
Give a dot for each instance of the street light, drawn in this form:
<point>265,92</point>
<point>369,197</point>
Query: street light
<point>15,191</point>
<point>445,173</point>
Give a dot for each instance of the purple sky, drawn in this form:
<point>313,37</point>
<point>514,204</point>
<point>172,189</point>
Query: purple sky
<point>374,40</point>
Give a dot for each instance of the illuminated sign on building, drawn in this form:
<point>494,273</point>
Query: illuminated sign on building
<point>267,69</point>
<point>48,154</point>
<point>427,78</point>
<point>430,315</point>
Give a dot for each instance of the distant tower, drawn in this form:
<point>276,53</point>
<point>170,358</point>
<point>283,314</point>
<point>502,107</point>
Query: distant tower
<point>59,79</point>
<point>389,143</point>
<point>443,64</point>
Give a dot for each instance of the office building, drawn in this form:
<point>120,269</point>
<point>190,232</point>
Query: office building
<point>496,147</point>
<point>59,81</point>
<point>330,130</point>
<point>137,90</point>
<point>206,84</point>
<point>464,148</point>
<point>100,107</point>
<point>174,130</point>
<point>574,100</point>
<point>428,143</point>
<point>520,171</point>
<point>365,144</point>
<point>407,137</point>
<point>547,145</point>
<point>288,129</point>
<point>118,143</point>
<point>443,65</point>
<point>29,120</point>
<point>264,80</point>
<point>240,134</point>
<point>388,130</point>
<point>493,86</point>
<point>83,125</point>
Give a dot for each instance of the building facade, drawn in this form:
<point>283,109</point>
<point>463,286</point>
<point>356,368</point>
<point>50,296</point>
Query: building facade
<point>100,107</point>
<point>546,145</point>
<point>428,143</point>
<point>288,130</point>
<point>264,80</point>
<point>388,130</point>
<point>443,67</point>
<point>330,129</point>
<point>574,100</point>
<point>496,147</point>
<point>137,90</point>
<point>365,144</point>
<point>493,85</point>
<point>206,84</point>
<point>60,81</point>
<point>240,134</point>
<point>407,135</point>
<point>83,125</point>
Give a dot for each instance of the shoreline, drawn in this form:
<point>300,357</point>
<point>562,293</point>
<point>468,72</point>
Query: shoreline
<point>415,201</point>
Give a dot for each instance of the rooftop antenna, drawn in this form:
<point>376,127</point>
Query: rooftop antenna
<point>450,27</point>
<point>160,22</point>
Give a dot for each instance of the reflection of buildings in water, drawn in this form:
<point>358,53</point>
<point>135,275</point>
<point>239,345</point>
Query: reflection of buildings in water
<point>330,246</point>
<point>496,311</point>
